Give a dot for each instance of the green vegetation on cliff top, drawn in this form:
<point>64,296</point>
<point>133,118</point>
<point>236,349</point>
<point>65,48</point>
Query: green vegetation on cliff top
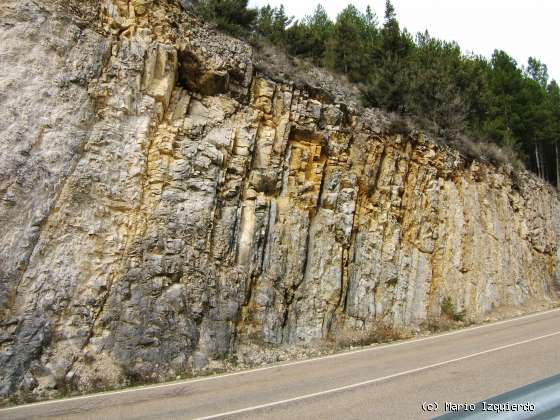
<point>513,112</point>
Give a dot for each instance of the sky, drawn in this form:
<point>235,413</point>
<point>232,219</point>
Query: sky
<point>522,28</point>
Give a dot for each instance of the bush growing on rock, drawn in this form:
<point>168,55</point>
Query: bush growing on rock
<point>233,16</point>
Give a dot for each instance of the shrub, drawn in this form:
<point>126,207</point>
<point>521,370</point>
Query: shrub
<point>448,309</point>
<point>383,332</point>
<point>232,16</point>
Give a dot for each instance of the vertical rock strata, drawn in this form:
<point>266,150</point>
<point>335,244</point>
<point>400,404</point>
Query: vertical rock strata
<point>164,206</point>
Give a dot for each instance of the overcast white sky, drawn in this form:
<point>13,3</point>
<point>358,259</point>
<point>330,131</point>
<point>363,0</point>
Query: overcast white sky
<point>522,28</point>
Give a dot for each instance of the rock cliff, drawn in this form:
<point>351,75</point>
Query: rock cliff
<point>166,207</point>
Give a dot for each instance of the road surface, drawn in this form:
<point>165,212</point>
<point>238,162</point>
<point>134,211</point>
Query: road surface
<point>388,381</point>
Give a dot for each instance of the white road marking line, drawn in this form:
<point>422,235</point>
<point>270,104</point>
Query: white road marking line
<point>374,347</point>
<point>372,381</point>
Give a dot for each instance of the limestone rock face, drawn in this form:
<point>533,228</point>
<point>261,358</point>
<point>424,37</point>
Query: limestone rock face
<point>163,207</point>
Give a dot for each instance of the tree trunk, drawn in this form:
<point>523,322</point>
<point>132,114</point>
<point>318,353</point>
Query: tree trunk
<point>544,165</point>
<point>537,157</point>
<point>557,165</point>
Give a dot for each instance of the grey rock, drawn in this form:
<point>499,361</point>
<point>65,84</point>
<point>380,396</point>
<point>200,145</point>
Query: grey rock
<point>199,361</point>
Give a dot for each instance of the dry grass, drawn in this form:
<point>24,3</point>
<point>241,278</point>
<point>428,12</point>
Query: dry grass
<point>276,63</point>
<point>382,333</point>
<point>486,151</point>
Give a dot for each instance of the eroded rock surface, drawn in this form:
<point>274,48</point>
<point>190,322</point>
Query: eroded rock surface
<point>163,207</point>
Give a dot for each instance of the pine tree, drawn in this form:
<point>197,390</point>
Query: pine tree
<point>434,91</point>
<point>389,85</point>
<point>233,16</point>
<point>280,22</point>
<point>346,49</point>
<point>390,15</point>
<point>553,124</point>
<point>537,71</point>
<point>264,21</point>
<point>309,37</point>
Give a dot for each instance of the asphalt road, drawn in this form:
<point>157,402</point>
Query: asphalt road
<point>383,382</point>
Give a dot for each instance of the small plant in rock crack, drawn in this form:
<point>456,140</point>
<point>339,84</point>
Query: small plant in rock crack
<point>448,308</point>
